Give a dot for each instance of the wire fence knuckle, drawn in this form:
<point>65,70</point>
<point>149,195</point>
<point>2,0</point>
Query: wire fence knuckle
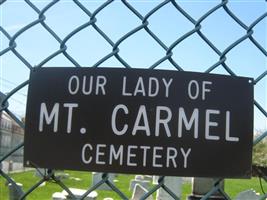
<point>144,22</point>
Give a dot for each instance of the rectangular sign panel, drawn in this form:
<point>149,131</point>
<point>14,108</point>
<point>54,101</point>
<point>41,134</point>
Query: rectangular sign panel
<point>139,121</point>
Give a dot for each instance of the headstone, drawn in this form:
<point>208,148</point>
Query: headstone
<point>139,177</point>
<point>61,174</point>
<point>5,165</point>
<point>201,186</point>
<point>187,179</point>
<point>17,167</point>
<point>78,193</point>
<point>144,183</point>
<point>58,196</point>
<point>248,195</point>
<point>174,184</point>
<point>97,177</point>
<point>140,191</point>
<point>40,172</point>
<point>148,178</point>
<point>15,191</point>
<point>144,177</point>
<point>42,184</point>
<point>155,180</point>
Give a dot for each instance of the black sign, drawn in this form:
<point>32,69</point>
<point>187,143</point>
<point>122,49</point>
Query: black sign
<point>139,121</point>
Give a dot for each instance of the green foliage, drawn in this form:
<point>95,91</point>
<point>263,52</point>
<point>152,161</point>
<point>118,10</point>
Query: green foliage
<point>260,154</point>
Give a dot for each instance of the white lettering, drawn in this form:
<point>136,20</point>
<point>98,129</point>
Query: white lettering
<point>70,107</point>
<point>131,155</point>
<point>137,127</point>
<point>188,125</point>
<point>156,87</point>
<point>204,89</point>
<point>155,156</point>
<point>113,120</point>
<point>86,161</point>
<point>73,81</point>
<point>145,148</point>
<point>49,118</point>
<point>100,83</point>
<point>124,93</point>
<point>227,129</point>
<point>140,87</point>
<point>163,121</point>
<point>167,86</point>
<point>185,155</point>
<point>171,155</point>
<point>189,89</point>
<point>116,155</point>
<point>99,153</point>
<point>209,124</point>
<point>90,85</point>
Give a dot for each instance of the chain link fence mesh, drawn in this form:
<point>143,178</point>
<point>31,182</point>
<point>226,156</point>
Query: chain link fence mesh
<point>115,45</point>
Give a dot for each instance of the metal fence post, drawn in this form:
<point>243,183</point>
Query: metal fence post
<point>201,186</point>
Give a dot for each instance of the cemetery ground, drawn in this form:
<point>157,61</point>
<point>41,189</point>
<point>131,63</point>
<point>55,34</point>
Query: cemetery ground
<point>83,180</point>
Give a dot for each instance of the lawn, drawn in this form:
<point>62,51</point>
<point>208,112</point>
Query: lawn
<point>232,186</point>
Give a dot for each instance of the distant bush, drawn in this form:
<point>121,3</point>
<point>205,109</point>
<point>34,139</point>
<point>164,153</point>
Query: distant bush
<point>260,153</point>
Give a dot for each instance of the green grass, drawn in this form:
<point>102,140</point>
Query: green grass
<point>28,179</point>
<point>235,186</point>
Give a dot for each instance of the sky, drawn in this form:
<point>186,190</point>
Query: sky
<point>139,50</point>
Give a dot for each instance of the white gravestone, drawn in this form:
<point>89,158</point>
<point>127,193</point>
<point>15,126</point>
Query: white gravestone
<point>248,195</point>
<point>78,193</point>
<point>139,179</point>
<point>201,186</point>
<point>58,196</point>
<point>140,191</point>
<point>174,184</point>
<point>40,172</point>
<point>97,177</point>
<point>148,178</point>
<point>155,180</point>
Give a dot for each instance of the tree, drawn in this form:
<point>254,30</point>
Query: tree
<point>259,157</point>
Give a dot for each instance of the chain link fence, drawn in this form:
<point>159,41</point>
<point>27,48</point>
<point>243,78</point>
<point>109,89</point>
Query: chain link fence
<point>117,44</point>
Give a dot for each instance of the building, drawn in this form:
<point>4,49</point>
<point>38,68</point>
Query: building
<point>11,135</point>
